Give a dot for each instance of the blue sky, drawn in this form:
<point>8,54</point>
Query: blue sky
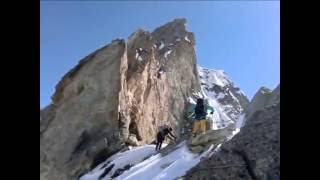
<point>240,37</point>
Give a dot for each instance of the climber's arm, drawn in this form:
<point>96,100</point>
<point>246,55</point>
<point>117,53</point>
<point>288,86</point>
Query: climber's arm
<point>171,136</point>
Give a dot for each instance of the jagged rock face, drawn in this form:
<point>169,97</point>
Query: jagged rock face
<point>46,116</point>
<point>217,85</point>
<point>264,97</point>
<point>149,98</point>
<point>254,153</point>
<point>117,95</point>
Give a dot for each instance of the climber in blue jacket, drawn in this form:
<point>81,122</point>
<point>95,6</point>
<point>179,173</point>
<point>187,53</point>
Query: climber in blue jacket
<point>199,114</point>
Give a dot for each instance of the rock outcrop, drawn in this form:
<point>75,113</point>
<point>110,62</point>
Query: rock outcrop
<point>264,97</point>
<point>253,153</point>
<point>155,88</point>
<point>212,137</point>
<point>117,96</point>
<point>82,115</point>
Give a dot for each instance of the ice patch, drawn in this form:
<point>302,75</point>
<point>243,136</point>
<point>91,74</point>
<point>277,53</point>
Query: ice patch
<point>240,121</point>
<point>198,94</point>
<point>166,54</point>
<point>234,97</point>
<point>190,100</point>
<point>187,39</point>
<point>161,45</point>
<point>220,96</point>
<point>241,92</point>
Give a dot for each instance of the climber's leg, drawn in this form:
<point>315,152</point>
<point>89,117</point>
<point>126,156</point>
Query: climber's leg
<point>203,126</point>
<point>160,144</point>
<point>160,139</point>
<point>196,127</point>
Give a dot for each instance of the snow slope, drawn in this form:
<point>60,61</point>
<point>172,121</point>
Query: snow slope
<point>119,160</point>
<point>156,167</point>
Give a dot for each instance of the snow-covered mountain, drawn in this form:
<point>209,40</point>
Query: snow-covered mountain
<point>216,85</point>
<point>221,93</point>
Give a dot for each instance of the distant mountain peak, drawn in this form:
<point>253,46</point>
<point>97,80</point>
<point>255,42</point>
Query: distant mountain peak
<point>228,99</point>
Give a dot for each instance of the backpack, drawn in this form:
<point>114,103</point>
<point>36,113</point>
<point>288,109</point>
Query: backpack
<point>200,111</point>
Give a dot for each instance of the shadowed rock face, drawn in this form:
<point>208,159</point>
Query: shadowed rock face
<point>116,96</point>
<point>84,112</point>
<point>254,153</point>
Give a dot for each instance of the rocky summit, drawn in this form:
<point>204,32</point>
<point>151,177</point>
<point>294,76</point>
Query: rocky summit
<point>118,96</point>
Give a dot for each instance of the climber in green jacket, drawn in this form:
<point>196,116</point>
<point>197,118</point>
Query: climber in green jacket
<point>199,113</point>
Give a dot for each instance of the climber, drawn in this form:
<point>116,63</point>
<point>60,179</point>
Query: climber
<point>163,131</point>
<point>200,114</point>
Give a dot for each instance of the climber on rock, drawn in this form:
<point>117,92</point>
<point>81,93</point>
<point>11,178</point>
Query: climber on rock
<point>199,115</point>
<point>162,133</point>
